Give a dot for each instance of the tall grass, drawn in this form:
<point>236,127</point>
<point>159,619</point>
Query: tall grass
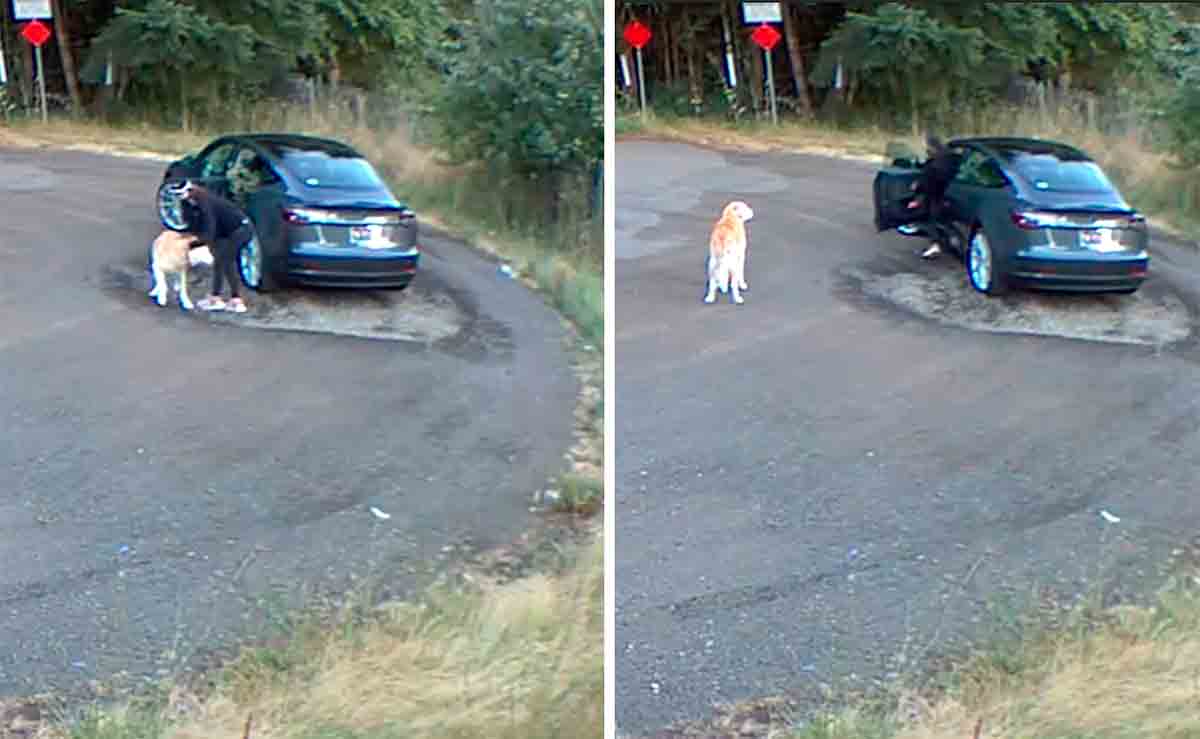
<point>523,660</point>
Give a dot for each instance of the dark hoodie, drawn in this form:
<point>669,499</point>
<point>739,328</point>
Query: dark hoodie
<point>212,217</point>
<point>937,173</point>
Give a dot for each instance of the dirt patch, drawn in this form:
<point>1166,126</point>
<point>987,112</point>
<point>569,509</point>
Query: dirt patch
<point>422,313</point>
<point>1153,316</point>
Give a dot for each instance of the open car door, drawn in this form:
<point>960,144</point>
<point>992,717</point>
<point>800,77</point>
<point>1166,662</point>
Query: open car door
<point>893,189</point>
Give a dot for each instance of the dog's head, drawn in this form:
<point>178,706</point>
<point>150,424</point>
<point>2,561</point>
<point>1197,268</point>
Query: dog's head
<point>739,210</point>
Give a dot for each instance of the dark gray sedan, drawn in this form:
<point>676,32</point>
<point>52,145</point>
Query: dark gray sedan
<point>322,215</point>
<point>1027,213</point>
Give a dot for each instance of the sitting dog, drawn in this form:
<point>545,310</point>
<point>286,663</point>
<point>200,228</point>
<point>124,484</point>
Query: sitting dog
<point>171,254</point>
<point>727,253</point>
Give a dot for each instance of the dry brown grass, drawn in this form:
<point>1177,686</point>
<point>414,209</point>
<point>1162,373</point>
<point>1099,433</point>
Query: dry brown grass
<point>518,660</point>
<point>1135,676</point>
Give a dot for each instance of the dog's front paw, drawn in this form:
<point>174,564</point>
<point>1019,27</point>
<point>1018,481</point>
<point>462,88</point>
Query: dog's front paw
<point>710,298</point>
<point>739,299</point>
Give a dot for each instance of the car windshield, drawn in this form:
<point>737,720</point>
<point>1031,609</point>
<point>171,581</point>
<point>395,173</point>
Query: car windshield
<point>1055,170</point>
<point>321,169</point>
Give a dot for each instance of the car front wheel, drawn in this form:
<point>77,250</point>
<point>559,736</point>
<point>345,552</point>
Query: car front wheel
<point>170,207</point>
<point>982,269</point>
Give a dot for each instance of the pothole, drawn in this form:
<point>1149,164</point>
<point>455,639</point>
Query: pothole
<point>422,312</point>
<point>1152,316</point>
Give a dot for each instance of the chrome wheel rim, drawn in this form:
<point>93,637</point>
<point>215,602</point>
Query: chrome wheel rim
<point>981,262</point>
<point>250,262</point>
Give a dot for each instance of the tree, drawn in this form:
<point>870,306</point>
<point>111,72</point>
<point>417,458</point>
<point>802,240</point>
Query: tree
<point>179,46</point>
<point>524,86</point>
<point>905,53</point>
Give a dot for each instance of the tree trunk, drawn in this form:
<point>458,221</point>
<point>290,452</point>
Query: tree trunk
<point>668,60</point>
<point>677,51</point>
<point>799,71</point>
<point>67,54</point>
<point>695,93</point>
<point>27,69</point>
<point>758,78</point>
<point>185,118</point>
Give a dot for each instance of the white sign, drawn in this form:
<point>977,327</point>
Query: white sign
<point>762,13</point>
<point>27,10</point>
<point>3,71</point>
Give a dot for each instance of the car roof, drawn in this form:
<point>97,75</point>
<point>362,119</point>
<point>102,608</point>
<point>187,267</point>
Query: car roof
<point>1006,147</point>
<point>279,145</point>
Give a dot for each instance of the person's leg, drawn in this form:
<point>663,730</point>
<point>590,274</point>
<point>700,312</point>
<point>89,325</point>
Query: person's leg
<point>934,209</point>
<point>236,242</point>
<point>214,301</point>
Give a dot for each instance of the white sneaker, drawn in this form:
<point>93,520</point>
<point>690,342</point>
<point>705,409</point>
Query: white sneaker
<point>932,252</point>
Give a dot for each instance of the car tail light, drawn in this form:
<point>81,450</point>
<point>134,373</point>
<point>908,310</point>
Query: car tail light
<point>1033,219</point>
<point>353,217</point>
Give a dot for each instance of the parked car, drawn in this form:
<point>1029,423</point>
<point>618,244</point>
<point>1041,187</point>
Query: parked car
<point>321,213</point>
<point>1027,213</point>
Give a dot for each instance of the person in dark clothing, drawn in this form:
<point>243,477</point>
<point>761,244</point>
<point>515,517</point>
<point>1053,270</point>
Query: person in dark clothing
<point>224,228</point>
<point>936,174</point>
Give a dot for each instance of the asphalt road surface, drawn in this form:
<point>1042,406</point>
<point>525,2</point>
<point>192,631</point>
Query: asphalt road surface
<point>818,489</point>
<point>168,480</point>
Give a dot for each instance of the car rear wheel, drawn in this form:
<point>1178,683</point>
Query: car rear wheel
<point>253,266</point>
<point>982,269</point>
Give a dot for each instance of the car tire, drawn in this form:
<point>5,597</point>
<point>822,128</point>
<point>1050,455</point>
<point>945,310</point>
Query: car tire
<point>982,270</point>
<point>254,268</point>
<point>169,212</point>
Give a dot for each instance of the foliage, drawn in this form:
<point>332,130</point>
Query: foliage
<point>524,86</point>
<point>1181,108</point>
<point>907,54</point>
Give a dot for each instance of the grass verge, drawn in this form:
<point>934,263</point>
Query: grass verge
<point>1149,178</point>
<point>1087,672</point>
<point>511,645</point>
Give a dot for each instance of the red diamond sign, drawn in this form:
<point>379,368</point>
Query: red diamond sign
<point>36,33</point>
<point>766,37</point>
<point>637,34</point>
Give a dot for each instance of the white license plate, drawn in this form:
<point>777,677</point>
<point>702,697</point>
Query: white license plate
<point>1100,239</point>
<point>372,237</point>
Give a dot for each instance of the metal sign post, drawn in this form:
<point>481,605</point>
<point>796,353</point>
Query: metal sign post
<point>41,73</point>
<point>638,35</point>
<point>37,34</point>
<point>766,37</point>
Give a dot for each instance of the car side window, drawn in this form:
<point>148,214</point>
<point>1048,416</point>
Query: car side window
<point>217,160</point>
<point>978,170</point>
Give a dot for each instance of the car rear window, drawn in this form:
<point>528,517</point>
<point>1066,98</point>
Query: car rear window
<point>321,169</point>
<point>1058,171</point>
